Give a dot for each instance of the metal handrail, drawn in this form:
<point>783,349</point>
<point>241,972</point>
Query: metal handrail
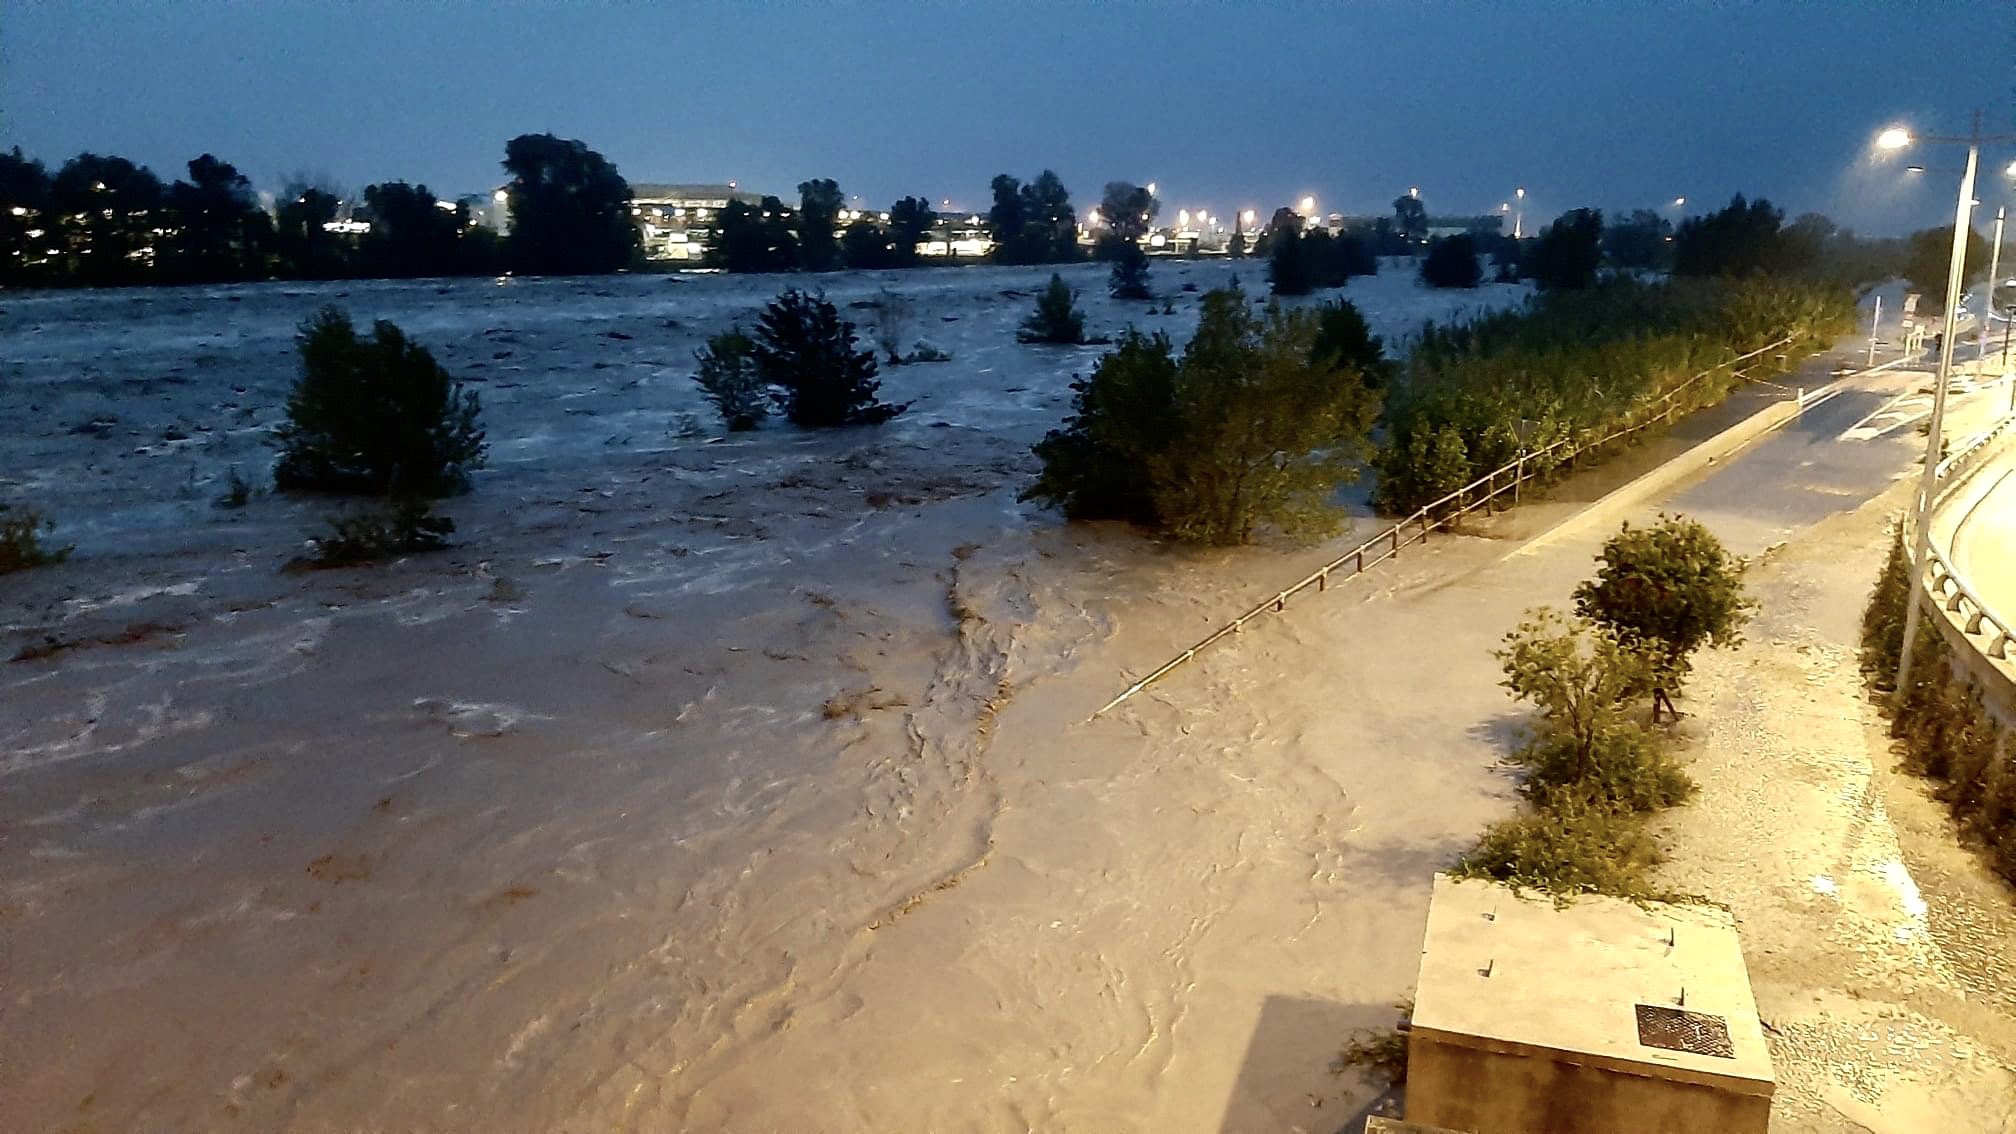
<point>1416,527</point>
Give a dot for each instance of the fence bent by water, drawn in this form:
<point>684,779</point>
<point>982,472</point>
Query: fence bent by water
<point>1483,493</point>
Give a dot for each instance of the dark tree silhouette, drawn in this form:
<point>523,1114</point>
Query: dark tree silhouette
<point>910,221</point>
<point>24,205</point>
<point>113,207</point>
<point>1452,262</point>
<point>755,238</point>
<point>411,235</point>
<point>1568,252</point>
<point>1743,238</point>
<point>1928,260</point>
<point>1410,218</point>
<point>1128,209</point>
<point>220,233</point>
<point>1637,241</point>
<point>302,248</point>
<point>819,204</point>
<point>570,209</point>
<point>865,246</point>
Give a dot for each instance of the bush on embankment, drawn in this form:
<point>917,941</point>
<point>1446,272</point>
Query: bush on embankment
<point>1943,729</point>
<point>1579,364</point>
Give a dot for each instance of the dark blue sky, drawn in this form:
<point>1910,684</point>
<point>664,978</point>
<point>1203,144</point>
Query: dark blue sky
<point>1223,105</point>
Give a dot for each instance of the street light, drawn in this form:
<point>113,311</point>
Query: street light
<point>1519,217</point>
<point>1896,138</point>
<point>1679,202</point>
<point>1308,206</point>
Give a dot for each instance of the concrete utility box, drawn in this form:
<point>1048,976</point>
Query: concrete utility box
<point>1597,1017</point>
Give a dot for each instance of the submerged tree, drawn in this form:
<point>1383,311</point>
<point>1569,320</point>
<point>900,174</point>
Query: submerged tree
<point>1245,429</point>
<point>374,416</point>
<point>1056,318</point>
<point>727,374</point>
<point>805,350</point>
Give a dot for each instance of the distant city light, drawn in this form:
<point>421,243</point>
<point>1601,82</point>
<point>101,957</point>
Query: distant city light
<point>2011,171</point>
<point>1308,205</point>
<point>1151,188</point>
<point>1182,218</point>
<point>1895,138</point>
<point>449,206</point>
<point>1249,216</point>
<point>18,211</point>
<point>1679,202</point>
<point>1092,218</point>
<point>1414,191</point>
<point>500,196</point>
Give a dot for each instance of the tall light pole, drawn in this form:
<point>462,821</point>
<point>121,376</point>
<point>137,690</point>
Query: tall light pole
<point>1896,138</point>
<point>1994,269</point>
<point>1519,214</point>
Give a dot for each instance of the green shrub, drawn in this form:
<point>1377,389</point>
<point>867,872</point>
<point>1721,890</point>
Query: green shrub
<point>1624,766</point>
<point>1345,340</point>
<point>822,379</point>
<point>1245,429</point>
<point>1883,617</point>
<point>1664,592</point>
<point>408,526</point>
<point>1056,319</point>
<point>1581,363</point>
<point>727,375</point>
<point>377,417</point>
<point>1575,846</point>
<point>21,545</point>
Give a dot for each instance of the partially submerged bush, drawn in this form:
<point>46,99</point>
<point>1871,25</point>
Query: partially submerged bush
<point>822,379</point>
<point>1056,319</point>
<point>1452,262</point>
<point>21,543</point>
<point>727,375</point>
<point>408,526</point>
<point>1129,277</point>
<point>1245,429</point>
<point>892,323</point>
<point>374,417</point>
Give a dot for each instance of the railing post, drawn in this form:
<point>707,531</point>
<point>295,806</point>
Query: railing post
<point>1518,476</point>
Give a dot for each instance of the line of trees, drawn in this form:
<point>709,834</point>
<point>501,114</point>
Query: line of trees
<point>100,221</point>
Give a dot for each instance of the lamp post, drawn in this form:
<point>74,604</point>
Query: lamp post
<point>1994,269</point>
<point>1519,214</point>
<point>1896,138</point>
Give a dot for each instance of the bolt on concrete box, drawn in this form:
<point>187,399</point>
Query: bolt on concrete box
<point>1601,1015</point>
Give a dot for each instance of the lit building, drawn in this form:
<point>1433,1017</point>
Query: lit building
<point>678,222</point>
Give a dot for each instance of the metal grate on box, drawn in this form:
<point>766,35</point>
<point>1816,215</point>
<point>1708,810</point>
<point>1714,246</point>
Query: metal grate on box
<point>1677,1029</point>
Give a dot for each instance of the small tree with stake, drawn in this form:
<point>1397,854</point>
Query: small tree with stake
<point>1664,592</point>
<point>822,379</point>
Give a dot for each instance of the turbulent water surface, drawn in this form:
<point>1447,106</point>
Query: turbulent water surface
<point>710,782</point>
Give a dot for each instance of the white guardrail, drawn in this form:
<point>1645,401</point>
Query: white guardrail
<point>1986,631</point>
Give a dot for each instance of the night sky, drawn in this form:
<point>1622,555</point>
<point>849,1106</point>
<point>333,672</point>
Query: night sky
<point>1224,106</point>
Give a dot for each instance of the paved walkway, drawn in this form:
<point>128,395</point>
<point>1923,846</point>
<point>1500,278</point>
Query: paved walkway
<point>1883,955</point>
